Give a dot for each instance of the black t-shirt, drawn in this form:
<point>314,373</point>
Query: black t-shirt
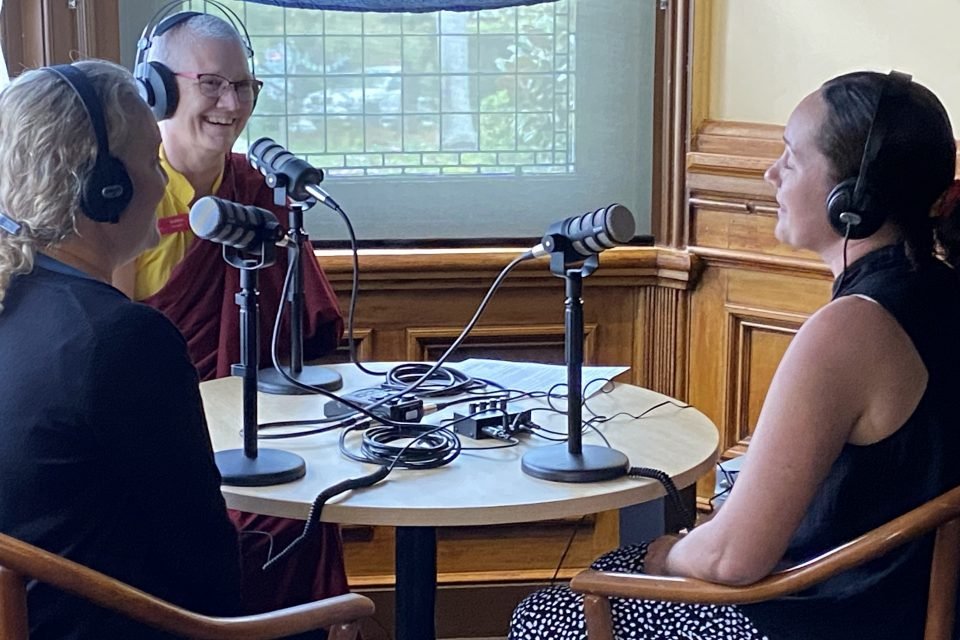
<point>105,456</point>
<point>870,485</point>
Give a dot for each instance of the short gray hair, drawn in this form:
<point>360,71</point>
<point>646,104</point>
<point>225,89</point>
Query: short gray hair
<point>194,29</point>
<point>47,152</point>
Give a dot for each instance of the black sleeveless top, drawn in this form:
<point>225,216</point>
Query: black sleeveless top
<point>870,485</point>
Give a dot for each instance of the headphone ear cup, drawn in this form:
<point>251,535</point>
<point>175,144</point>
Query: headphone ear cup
<point>158,88</point>
<point>107,191</point>
<point>839,202</point>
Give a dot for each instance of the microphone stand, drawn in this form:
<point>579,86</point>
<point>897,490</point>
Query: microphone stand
<point>250,467</point>
<point>271,380</point>
<point>573,461</point>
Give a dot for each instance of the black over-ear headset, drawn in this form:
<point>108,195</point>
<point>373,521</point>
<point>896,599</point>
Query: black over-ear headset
<point>851,210</point>
<point>108,189</point>
<point>157,82</point>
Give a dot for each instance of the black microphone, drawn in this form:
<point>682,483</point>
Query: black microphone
<point>243,227</point>
<point>587,234</point>
<point>283,169</point>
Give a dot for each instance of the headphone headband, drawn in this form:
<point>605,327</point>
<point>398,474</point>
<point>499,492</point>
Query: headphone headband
<point>894,88</point>
<point>108,189</point>
<point>166,18</point>
<point>78,81</point>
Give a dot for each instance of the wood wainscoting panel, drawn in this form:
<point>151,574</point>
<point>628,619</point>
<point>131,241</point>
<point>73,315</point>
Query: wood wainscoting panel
<point>758,340</point>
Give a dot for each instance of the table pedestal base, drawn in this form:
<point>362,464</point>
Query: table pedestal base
<point>416,593</point>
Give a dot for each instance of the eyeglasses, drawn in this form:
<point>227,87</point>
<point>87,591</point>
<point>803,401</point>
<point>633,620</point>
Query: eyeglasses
<point>213,86</point>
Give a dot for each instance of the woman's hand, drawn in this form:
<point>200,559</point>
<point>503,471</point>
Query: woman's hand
<point>655,562</point>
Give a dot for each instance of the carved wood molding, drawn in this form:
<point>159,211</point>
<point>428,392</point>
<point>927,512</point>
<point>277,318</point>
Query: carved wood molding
<point>476,268</point>
<point>420,340</point>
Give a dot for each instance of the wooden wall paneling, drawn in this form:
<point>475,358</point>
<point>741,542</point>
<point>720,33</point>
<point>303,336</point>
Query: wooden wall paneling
<point>535,343</point>
<point>11,36</point>
<point>98,29</point>
<point>758,340</point>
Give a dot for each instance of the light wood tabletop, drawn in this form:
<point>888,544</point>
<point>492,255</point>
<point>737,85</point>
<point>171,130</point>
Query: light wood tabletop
<point>477,488</point>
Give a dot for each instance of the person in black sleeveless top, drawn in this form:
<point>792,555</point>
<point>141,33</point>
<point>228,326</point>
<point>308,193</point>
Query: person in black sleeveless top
<point>860,423</point>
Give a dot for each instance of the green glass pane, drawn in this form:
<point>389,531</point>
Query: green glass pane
<point>262,19</point>
<point>377,23</point>
<point>381,54</point>
<point>273,97</point>
<point>305,55</point>
<point>421,54</point>
<point>344,134</point>
<point>271,127</point>
<point>401,159</point>
<point>343,54</point>
<point>535,18</point>
<point>305,95</point>
<point>498,132</point>
<point>364,160</point>
<point>425,23</point>
<point>534,131</point>
<point>459,93</point>
<point>421,94</point>
<point>304,22</point>
<point>344,94</point>
<point>343,22</point>
<point>325,161</point>
<point>535,93</point>
<point>458,54</point>
<point>421,133</point>
<point>459,132</point>
<point>306,134</point>
<point>383,133</point>
<point>269,56</point>
<point>534,53</point>
<point>498,93</point>
<point>498,21</point>
<point>382,94</point>
<point>458,22</point>
<point>497,54</point>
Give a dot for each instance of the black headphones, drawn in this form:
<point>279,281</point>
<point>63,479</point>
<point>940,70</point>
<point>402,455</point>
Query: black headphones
<point>108,189</point>
<point>157,83</point>
<point>850,209</point>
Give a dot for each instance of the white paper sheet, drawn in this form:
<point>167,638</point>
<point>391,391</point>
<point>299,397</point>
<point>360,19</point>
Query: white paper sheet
<point>533,376</point>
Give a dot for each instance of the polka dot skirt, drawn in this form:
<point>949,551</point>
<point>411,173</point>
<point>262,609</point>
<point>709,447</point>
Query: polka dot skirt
<point>556,613</point>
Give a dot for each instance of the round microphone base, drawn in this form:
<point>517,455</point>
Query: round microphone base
<point>271,381</point>
<point>593,464</point>
<point>271,466</point>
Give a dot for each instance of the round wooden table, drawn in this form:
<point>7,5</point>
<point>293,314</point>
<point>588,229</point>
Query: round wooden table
<point>477,488</point>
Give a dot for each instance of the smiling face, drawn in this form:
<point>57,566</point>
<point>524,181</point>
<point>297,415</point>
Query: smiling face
<point>204,127</point>
<point>803,178</point>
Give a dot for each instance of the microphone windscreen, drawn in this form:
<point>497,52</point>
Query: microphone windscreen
<point>205,217</point>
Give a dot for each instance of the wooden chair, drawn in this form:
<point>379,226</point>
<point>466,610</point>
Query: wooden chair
<point>942,514</point>
<point>20,562</point>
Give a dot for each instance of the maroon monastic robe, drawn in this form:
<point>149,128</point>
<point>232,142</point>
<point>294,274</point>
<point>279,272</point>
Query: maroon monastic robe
<point>199,296</point>
<point>199,299</point>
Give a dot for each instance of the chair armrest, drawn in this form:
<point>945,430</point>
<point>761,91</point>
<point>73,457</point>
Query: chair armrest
<point>33,562</point>
<point>870,545</point>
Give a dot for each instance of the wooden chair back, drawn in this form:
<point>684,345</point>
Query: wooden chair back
<point>941,514</point>
<point>20,562</point>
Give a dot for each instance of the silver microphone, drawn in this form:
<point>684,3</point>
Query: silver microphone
<point>243,227</point>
